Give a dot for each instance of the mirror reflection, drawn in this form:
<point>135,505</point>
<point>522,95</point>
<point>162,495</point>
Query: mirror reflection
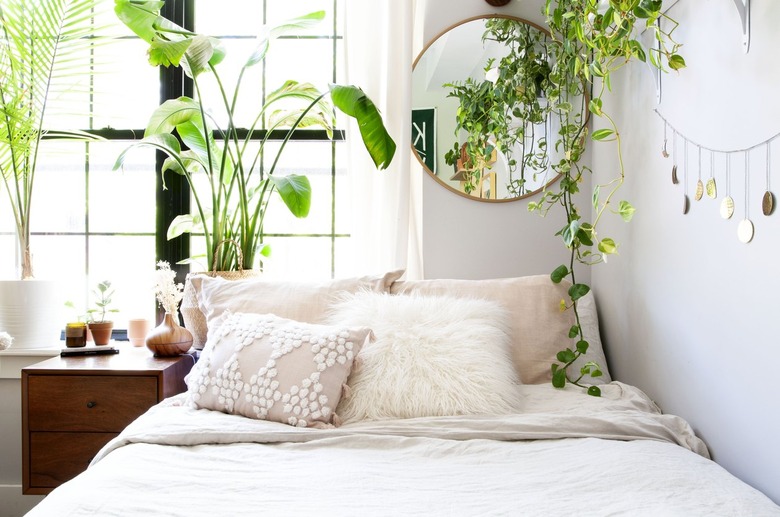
<point>483,109</point>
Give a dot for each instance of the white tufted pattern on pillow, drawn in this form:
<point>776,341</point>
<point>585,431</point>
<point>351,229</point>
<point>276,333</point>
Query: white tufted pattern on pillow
<point>270,368</point>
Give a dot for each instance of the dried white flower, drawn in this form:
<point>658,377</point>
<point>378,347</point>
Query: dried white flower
<point>5,340</point>
<point>168,292</point>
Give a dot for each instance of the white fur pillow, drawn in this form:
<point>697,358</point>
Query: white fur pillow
<point>432,356</point>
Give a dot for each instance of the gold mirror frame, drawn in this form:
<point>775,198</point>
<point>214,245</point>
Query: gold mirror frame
<point>419,106</point>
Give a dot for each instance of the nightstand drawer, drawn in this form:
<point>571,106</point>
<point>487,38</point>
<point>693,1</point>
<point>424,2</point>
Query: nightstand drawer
<point>58,457</point>
<point>88,403</point>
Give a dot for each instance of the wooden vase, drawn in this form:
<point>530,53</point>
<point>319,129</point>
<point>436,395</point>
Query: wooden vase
<point>169,338</point>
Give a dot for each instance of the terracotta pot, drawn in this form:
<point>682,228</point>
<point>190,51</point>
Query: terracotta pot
<point>101,331</point>
<point>169,338</point>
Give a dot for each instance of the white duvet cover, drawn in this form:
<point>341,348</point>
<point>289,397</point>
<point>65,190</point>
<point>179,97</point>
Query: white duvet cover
<point>565,454</point>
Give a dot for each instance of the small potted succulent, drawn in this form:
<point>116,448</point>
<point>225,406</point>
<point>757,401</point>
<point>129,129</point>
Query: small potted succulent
<point>99,326</point>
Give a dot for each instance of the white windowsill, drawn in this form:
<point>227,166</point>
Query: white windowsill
<point>12,360</point>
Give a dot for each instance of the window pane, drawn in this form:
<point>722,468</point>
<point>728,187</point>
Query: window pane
<point>301,258</point>
<point>213,18</point>
<point>129,264</point>
<point>311,159</point>
<point>121,201</point>
<point>119,102</point>
<point>59,200</point>
<point>304,60</point>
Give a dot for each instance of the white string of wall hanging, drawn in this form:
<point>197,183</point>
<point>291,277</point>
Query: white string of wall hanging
<point>745,229</point>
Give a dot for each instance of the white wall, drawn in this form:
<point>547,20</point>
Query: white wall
<point>463,238</point>
<point>688,312</point>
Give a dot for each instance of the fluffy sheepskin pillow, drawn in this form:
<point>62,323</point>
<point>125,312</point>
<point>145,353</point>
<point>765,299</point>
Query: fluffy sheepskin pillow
<point>270,368</point>
<point>432,356</point>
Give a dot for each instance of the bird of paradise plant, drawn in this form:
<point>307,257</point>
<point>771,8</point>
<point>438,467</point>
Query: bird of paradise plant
<point>240,182</point>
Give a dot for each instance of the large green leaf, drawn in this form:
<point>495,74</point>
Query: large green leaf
<point>186,223</point>
<point>170,114</point>
<point>353,102</point>
<point>297,24</point>
<point>167,53</point>
<point>295,191</point>
<point>164,142</point>
<point>197,58</point>
<point>143,18</point>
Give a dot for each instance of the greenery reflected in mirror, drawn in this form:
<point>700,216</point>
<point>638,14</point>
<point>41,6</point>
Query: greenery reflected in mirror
<point>485,107</point>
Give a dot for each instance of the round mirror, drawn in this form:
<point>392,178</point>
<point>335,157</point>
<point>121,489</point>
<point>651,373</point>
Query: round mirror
<point>483,109</point>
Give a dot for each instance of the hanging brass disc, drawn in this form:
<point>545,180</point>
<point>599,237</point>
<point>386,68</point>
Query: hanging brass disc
<point>727,207</point>
<point>768,203</point>
<point>664,153</point>
<point>712,188</point>
<point>699,190</point>
<point>686,204</point>
<point>674,175</point>
<point>745,231</point>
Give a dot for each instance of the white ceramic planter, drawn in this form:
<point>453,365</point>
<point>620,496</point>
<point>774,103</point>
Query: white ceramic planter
<point>31,311</point>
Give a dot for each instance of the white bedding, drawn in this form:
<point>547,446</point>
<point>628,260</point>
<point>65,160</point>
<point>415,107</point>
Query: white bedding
<point>565,453</point>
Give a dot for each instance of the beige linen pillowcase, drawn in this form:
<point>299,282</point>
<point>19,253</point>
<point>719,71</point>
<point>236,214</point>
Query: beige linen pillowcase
<point>265,367</point>
<point>431,356</point>
<point>305,301</point>
<point>539,330</point>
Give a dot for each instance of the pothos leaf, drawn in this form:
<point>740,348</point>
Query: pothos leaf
<point>559,274</point>
<point>559,378</point>
<point>626,210</point>
<point>577,291</point>
<point>601,134</point>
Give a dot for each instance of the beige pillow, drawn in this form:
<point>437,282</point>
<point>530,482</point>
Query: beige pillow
<point>270,368</point>
<point>432,356</point>
<point>301,301</point>
<point>539,330</point>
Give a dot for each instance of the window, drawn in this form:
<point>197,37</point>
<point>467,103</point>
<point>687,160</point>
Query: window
<point>91,223</point>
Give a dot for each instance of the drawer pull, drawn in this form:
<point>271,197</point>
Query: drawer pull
<point>91,404</point>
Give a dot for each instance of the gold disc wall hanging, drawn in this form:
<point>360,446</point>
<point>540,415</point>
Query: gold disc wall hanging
<point>768,201</point>
<point>664,152</point>
<point>727,205</point>
<point>746,230</point>
<point>699,184</point>
<point>711,188</point>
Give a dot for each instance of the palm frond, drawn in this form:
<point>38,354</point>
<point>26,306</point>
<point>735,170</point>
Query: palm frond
<point>45,51</point>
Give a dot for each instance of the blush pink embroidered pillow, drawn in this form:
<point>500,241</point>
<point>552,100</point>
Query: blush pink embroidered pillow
<point>270,368</point>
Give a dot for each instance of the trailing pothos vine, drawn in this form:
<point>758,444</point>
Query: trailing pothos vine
<point>589,40</point>
<point>594,40</point>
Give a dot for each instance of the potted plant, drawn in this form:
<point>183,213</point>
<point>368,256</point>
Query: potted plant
<point>587,42</point>
<point>99,326</point>
<point>44,47</point>
<point>240,177</point>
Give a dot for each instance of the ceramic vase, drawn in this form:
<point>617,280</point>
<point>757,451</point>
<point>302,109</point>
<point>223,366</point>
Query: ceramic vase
<point>41,300</point>
<point>169,338</point>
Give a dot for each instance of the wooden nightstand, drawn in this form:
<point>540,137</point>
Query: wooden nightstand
<point>72,406</point>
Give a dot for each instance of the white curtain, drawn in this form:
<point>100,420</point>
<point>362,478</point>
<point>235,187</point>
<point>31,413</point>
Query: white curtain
<point>386,204</point>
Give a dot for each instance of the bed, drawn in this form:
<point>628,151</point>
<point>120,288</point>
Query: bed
<point>377,396</point>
